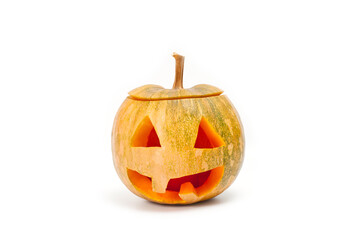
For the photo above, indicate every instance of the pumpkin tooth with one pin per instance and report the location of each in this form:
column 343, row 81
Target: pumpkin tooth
column 187, row 192
column 159, row 184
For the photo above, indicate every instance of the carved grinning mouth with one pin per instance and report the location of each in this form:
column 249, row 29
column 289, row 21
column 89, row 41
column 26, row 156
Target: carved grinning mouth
column 179, row 190
column 185, row 189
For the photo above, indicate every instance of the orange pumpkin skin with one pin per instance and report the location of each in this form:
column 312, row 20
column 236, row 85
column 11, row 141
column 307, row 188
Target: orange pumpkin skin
column 177, row 146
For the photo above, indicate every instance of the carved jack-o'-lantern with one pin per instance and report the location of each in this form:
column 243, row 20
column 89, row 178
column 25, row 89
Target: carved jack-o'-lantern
column 177, row 146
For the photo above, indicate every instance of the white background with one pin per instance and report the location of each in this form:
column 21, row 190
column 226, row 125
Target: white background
column 291, row 68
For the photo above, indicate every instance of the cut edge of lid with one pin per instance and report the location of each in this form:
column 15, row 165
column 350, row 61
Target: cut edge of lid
column 156, row 92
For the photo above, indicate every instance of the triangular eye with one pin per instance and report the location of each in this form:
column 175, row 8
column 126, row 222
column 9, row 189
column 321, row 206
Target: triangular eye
column 145, row 135
column 207, row 137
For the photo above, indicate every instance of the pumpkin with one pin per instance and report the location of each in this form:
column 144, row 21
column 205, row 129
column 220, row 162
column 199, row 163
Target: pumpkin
column 177, row 146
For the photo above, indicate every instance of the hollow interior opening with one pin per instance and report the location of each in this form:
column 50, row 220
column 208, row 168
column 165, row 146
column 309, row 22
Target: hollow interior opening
column 207, row 137
column 197, row 180
column 145, row 135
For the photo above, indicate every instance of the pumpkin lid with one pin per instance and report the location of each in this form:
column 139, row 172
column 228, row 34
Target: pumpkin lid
column 156, row 92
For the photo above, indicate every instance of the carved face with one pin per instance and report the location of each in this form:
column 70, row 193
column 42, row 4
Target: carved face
column 177, row 151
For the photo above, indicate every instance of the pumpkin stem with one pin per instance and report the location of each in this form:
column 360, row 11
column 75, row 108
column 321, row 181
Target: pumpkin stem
column 179, row 66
